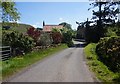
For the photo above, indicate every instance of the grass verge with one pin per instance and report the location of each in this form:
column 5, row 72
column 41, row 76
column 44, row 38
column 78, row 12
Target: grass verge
column 101, row 71
column 16, row 64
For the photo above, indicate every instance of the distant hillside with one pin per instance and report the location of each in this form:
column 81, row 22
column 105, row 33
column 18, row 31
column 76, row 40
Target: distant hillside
column 22, row 28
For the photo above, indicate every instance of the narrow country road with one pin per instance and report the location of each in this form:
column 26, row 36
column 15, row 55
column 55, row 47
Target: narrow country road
column 66, row 66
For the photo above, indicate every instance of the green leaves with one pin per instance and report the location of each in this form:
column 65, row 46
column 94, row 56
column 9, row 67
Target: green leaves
column 108, row 50
column 17, row 40
column 9, row 12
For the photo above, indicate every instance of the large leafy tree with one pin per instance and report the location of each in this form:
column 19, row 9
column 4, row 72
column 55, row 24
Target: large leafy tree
column 66, row 25
column 9, row 12
column 107, row 13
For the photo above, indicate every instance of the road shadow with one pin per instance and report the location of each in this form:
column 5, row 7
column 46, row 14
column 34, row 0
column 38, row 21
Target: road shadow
column 78, row 46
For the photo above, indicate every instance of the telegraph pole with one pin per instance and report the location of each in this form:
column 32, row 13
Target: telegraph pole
column 119, row 13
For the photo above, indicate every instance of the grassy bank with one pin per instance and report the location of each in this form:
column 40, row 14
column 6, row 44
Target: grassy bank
column 18, row 63
column 101, row 71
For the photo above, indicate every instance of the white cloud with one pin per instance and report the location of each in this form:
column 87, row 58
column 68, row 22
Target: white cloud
column 37, row 24
column 18, row 21
column 61, row 19
column 15, row 21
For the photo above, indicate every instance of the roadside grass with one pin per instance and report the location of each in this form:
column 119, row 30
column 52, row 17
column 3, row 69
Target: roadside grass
column 0, row 35
column 0, row 70
column 101, row 71
column 16, row 64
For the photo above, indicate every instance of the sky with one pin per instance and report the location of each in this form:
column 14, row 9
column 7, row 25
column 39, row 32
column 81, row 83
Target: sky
column 53, row 13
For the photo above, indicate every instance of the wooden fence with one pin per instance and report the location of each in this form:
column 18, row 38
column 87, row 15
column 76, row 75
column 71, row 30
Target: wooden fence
column 5, row 52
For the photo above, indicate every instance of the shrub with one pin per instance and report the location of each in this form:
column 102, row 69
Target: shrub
column 44, row 40
column 17, row 41
column 110, row 31
column 67, row 37
column 108, row 50
column 70, row 44
column 34, row 33
column 57, row 37
column 92, row 34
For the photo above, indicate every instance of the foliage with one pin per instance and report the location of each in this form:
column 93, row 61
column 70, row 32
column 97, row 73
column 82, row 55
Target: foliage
column 113, row 29
column 9, row 11
column 80, row 33
column 66, row 25
column 57, row 37
column 67, row 37
column 88, row 32
column 118, row 28
column 91, row 33
column 111, row 32
column 17, row 40
column 45, row 39
column 108, row 50
column 20, row 27
column 70, row 44
column 63, row 30
column 0, row 35
column 34, row 33
column 55, row 30
column 74, row 32
column 99, row 68
column 80, row 30
column 107, row 13
column 67, row 34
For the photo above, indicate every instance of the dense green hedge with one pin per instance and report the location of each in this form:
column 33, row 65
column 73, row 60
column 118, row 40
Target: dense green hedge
column 67, row 38
column 45, row 39
column 108, row 50
column 17, row 41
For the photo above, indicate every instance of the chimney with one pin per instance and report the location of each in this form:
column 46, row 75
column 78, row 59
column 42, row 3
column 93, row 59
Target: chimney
column 43, row 23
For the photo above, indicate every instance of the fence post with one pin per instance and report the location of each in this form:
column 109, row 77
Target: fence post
column 5, row 52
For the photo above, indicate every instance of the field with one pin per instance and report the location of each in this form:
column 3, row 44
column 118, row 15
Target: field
column 22, row 28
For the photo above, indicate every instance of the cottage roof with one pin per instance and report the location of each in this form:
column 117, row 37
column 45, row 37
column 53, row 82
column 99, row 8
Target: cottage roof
column 49, row 28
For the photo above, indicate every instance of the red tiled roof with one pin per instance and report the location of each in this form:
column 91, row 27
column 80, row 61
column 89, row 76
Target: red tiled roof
column 48, row 28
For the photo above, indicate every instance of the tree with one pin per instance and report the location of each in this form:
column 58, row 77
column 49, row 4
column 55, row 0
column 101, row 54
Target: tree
column 80, row 30
column 43, row 23
column 34, row 33
column 9, row 12
column 107, row 13
column 83, row 27
column 55, row 30
column 57, row 37
column 66, row 25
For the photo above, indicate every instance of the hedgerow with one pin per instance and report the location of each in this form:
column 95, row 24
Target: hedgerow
column 108, row 50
